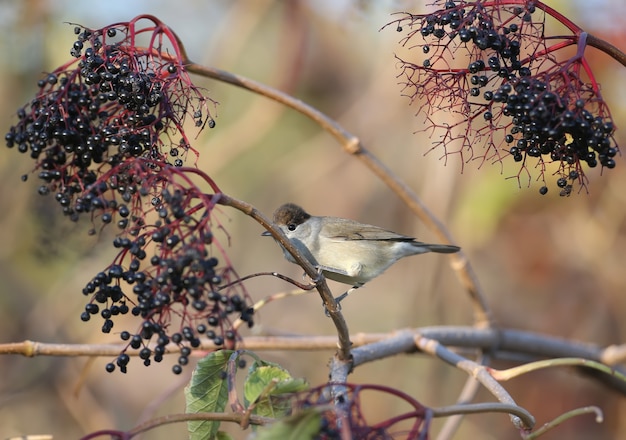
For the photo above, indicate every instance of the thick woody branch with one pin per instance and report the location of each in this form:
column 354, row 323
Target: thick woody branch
column 501, row 344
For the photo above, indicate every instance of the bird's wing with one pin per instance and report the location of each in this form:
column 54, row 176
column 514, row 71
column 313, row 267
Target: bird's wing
column 340, row 230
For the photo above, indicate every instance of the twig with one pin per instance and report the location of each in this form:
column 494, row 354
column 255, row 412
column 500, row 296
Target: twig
column 607, row 48
column 564, row 417
column 265, row 301
column 327, row 296
column 504, row 375
column 177, row 418
column 476, row 408
column 301, row 286
column 469, row 391
column 520, row 418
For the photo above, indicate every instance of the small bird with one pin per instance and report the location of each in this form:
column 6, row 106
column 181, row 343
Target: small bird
column 345, row 250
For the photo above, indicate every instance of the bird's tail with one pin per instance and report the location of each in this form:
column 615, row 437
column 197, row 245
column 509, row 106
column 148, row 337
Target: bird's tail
column 442, row 248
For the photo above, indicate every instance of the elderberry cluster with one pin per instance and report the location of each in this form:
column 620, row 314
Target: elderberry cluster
column 188, row 278
column 103, row 132
column 548, row 111
column 476, row 26
column 163, row 269
column 545, row 124
column 113, row 103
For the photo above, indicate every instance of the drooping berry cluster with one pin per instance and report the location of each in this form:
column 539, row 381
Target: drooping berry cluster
column 114, row 102
column 510, row 92
column 164, row 272
column 107, row 137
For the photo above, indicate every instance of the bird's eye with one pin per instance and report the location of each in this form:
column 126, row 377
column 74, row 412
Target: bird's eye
column 291, row 226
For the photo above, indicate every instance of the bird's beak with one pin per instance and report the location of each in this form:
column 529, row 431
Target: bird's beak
column 266, row 234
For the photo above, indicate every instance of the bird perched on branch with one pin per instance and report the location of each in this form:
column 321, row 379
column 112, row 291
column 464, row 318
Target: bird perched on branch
column 345, row 250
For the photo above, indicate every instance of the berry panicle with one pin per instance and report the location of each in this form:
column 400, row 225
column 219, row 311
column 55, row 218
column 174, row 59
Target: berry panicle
column 505, row 85
column 106, row 133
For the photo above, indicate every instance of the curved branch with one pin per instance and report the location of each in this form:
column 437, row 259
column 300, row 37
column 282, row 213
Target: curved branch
column 521, row 418
column 510, row 373
column 352, row 145
column 477, row 408
column 177, row 418
column 566, row 416
column 320, row 283
column 607, row 48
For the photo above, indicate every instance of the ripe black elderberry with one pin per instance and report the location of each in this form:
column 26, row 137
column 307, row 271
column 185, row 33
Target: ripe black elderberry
column 106, row 134
column 547, row 109
column 104, row 109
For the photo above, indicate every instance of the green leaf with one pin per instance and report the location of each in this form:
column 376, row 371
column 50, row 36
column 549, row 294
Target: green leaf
column 221, row 435
column 266, row 386
column 207, row 391
column 304, row 425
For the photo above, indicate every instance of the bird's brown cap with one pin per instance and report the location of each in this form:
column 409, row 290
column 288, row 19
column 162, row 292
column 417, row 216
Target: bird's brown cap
column 290, row 213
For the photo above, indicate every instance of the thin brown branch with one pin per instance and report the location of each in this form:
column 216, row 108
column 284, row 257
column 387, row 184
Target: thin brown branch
column 607, row 48
column 267, row 300
column 329, row 301
column 178, row 418
column 352, row 145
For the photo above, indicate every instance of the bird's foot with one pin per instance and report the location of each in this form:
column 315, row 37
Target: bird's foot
column 341, row 298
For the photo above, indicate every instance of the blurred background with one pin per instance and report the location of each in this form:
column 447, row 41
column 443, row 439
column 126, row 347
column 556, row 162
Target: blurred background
column 547, row 264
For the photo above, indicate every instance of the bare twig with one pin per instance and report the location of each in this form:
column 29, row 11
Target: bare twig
column 469, row 391
column 503, row 375
column 301, row 286
column 521, row 419
column 501, row 344
column 477, row 408
column 265, row 301
column 177, row 418
column 607, row 48
column 566, row 416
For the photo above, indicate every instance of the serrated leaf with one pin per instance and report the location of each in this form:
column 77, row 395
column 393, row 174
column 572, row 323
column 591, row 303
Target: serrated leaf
column 207, row 391
column 264, row 387
column 304, row 425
